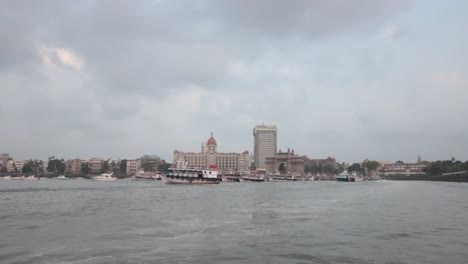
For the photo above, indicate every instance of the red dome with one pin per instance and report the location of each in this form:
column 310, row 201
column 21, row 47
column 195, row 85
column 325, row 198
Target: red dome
column 246, row 152
column 211, row 140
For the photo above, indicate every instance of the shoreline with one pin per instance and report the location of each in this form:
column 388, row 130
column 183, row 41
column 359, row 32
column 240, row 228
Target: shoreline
column 445, row 178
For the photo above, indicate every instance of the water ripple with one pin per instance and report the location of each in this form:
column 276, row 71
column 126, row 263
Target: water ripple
column 320, row 222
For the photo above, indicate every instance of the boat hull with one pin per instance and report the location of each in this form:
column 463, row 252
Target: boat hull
column 189, row 180
column 344, row 179
column 253, row 179
column 104, row 179
column 230, row 179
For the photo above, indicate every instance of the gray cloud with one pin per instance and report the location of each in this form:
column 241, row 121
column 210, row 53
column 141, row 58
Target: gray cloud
column 123, row 78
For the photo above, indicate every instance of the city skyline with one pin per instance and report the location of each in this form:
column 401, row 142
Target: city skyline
column 384, row 80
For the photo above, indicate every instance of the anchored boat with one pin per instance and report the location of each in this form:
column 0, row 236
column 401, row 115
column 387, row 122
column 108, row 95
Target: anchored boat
column 104, row 177
column 146, row 176
column 183, row 175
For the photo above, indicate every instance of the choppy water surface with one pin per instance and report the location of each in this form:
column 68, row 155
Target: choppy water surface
column 81, row 221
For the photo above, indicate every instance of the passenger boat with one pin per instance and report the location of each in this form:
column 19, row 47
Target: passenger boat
column 62, row 177
column 346, row 177
column 183, row 175
column 104, row 177
column 8, row 177
column 231, row 177
column 146, row 176
column 253, row 178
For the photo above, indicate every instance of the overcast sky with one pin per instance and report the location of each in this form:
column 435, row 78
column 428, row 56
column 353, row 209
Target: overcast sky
column 384, row 80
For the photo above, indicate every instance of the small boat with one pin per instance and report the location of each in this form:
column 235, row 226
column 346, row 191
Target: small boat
column 357, row 178
column 146, row 176
column 231, row 177
column 17, row 178
column 8, row 177
column 346, row 177
column 104, row 177
column 183, row 175
column 62, row 177
column 31, row 178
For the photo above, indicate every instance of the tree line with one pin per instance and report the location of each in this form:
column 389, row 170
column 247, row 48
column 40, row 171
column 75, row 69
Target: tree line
column 446, row 166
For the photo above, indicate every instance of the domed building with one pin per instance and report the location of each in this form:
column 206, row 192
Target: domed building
column 209, row 156
column 211, row 145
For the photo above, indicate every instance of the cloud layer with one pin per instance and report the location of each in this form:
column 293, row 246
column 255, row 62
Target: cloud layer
column 125, row 78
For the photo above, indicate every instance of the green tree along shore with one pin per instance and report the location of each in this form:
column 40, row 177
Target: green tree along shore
column 446, row 166
column 56, row 165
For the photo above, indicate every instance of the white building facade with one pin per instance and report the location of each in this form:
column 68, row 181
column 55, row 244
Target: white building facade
column 133, row 166
column 209, row 155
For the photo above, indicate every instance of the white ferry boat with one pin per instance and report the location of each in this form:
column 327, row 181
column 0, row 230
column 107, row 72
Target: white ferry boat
column 183, row 175
column 146, row 176
column 253, row 178
column 62, row 177
column 232, row 177
column 287, row 178
column 104, row 177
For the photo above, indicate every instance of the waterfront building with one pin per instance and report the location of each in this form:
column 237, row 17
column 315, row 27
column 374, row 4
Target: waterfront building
column 45, row 164
column 133, row 166
column 15, row 165
column 286, row 163
column 95, row 165
column 209, row 155
column 406, row 169
column 331, row 161
column 73, row 166
column 265, row 144
column 151, row 161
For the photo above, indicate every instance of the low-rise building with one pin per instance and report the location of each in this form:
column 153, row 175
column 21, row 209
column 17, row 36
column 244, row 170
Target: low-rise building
column 15, row 165
column 73, row 166
column 133, row 166
column 407, row 169
column 322, row 162
column 95, row 165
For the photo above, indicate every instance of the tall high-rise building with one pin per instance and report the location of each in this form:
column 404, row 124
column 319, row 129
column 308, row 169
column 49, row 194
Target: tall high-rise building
column 264, row 144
